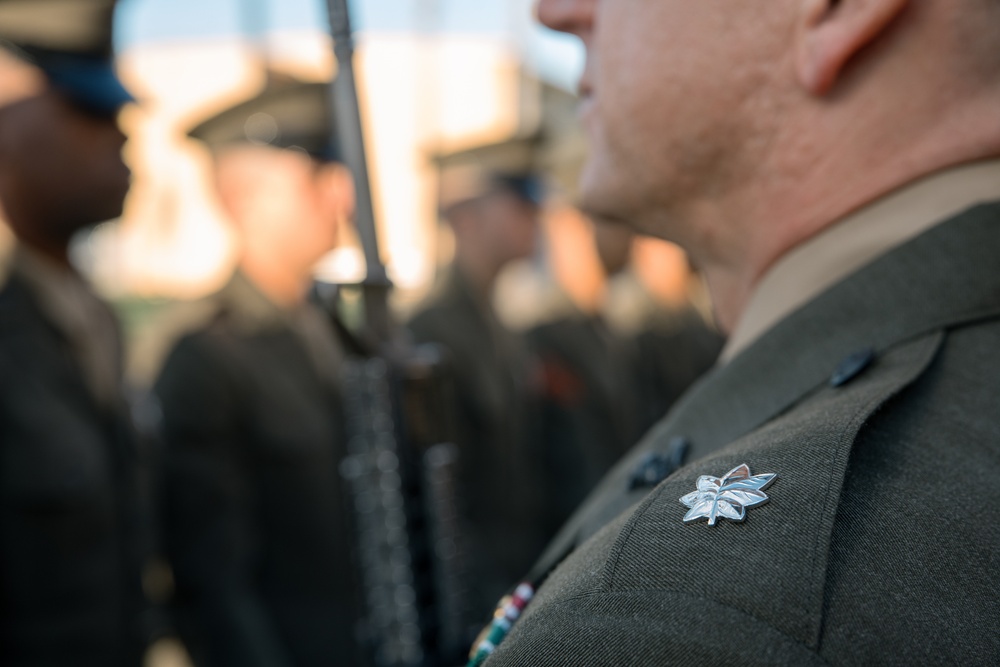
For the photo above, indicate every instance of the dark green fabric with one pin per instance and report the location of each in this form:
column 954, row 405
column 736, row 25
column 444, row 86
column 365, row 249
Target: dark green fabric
column 879, row 543
column 499, row 489
column 600, row 391
column 587, row 407
column 72, row 531
column 255, row 524
column 672, row 351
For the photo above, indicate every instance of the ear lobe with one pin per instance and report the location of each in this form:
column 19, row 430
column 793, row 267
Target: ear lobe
column 345, row 190
column 832, row 32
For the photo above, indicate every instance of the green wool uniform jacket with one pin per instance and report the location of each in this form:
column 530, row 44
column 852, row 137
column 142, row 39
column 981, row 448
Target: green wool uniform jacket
column 877, row 405
column 587, row 419
column 254, row 518
column 498, row 488
column 73, row 532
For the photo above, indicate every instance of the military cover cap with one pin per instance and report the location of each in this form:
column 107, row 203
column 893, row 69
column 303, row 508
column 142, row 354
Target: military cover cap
column 287, row 114
column 472, row 173
column 70, row 41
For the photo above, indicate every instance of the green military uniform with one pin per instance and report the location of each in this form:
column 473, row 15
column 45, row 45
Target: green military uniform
column 604, row 381
column 73, row 528
column 587, row 412
column 874, row 404
column 497, row 471
column 672, row 350
column 254, row 519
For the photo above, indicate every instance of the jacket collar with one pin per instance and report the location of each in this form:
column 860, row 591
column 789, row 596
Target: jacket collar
column 944, row 278
column 870, row 232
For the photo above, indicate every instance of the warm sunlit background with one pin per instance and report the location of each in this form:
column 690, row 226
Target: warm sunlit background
column 435, row 76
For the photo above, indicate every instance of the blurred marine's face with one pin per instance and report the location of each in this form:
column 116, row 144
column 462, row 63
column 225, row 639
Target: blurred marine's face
column 669, row 98
column 60, row 167
column 285, row 204
column 510, row 226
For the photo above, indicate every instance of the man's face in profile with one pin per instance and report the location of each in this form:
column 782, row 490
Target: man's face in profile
column 672, row 92
column 61, row 165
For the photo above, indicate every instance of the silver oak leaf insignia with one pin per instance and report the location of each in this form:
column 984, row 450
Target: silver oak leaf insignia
column 728, row 497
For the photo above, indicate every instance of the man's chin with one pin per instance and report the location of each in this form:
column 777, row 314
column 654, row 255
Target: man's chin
column 98, row 216
column 112, row 212
column 600, row 200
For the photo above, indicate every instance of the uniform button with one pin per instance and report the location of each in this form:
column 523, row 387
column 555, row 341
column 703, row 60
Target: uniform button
column 852, row 366
column 656, row 467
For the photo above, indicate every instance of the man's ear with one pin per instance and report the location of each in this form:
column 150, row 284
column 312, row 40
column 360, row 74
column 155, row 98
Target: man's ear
column 344, row 189
column 831, row 32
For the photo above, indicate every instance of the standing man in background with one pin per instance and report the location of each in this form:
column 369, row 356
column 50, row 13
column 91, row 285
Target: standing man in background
column 494, row 217
column 254, row 519
column 658, row 302
column 614, row 355
column 587, row 403
column 833, row 167
column 72, row 541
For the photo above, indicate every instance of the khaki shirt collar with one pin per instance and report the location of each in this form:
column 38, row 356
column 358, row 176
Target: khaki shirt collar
column 840, row 250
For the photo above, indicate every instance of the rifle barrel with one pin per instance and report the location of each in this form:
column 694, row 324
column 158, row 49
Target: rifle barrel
column 350, row 136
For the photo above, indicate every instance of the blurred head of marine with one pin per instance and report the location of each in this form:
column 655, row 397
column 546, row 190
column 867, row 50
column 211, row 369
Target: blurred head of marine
column 279, row 179
column 61, row 166
column 494, row 215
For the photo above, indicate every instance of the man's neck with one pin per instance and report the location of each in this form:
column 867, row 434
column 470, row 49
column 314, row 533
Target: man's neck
column 755, row 229
column 480, row 272
column 53, row 252
column 284, row 286
column 860, row 238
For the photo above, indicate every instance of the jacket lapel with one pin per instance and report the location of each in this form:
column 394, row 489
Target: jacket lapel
column 942, row 279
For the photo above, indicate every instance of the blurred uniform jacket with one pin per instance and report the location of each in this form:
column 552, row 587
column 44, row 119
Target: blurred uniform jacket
column 588, row 415
column 875, row 403
column 671, row 351
column 71, row 513
column 498, row 488
column 604, row 385
column 255, row 529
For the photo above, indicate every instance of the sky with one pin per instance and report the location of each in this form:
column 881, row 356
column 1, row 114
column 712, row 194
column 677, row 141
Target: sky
column 557, row 58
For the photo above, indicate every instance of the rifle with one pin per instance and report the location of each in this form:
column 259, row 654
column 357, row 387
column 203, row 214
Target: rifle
column 401, row 465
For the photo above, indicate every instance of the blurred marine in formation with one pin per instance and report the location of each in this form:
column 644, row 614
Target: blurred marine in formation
column 254, row 522
column 657, row 301
column 612, row 357
column 71, row 531
column 586, row 398
column 494, row 217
